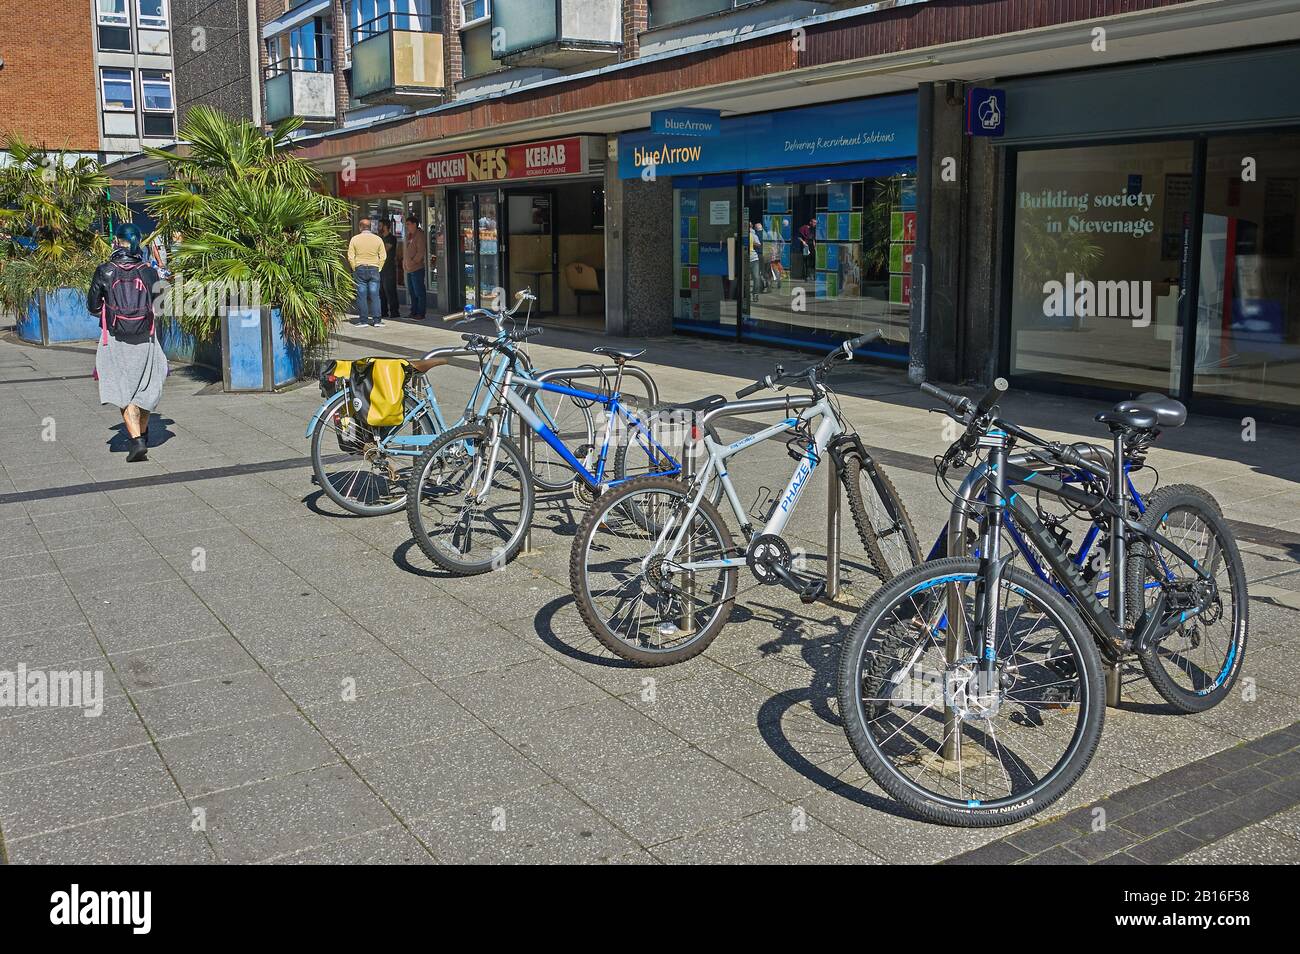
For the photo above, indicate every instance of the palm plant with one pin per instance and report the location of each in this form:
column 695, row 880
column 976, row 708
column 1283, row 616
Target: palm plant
column 55, row 211
column 249, row 212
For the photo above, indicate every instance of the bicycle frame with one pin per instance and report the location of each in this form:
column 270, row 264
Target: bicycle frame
column 828, row 429
column 595, row 479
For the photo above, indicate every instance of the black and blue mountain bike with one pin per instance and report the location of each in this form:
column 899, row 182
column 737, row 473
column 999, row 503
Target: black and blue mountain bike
column 971, row 688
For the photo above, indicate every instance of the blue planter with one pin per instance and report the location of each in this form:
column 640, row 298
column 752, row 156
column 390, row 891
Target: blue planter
column 179, row 345
column 58, row 316
column 255, row 356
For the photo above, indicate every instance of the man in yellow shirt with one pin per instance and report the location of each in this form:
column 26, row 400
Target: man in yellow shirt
column 366, row 255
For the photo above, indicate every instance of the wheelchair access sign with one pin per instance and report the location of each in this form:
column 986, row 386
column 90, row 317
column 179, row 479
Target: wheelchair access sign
column 986, row 111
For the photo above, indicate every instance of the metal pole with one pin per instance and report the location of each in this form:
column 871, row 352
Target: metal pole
column 689, row 447
column 1113, row 695
column 832, row 534
column 526, row 448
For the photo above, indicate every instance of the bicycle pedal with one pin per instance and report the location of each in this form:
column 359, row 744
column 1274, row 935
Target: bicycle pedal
column 812, row 591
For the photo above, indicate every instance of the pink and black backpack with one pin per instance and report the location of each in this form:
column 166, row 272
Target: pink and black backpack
column 128, row 304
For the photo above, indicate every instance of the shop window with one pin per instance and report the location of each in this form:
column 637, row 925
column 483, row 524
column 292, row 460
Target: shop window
column 830, row 259
column 1247, row 345
column 1098, row 264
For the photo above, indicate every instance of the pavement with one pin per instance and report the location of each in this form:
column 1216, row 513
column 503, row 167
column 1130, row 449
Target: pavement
column 283, row 682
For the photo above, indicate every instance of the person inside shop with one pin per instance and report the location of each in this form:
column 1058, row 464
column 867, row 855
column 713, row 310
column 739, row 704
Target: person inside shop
column 757, row 282
column 414, row 252
column 808, row 246
column 388, row 274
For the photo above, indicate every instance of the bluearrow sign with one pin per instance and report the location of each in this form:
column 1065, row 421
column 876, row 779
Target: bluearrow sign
column 686, row 122
column 883, row 127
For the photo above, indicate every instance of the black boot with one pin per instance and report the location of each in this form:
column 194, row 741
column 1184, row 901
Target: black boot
column 139, row 450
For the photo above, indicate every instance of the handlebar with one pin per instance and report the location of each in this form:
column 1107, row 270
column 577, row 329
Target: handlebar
column 964, row 407
column 843, row 351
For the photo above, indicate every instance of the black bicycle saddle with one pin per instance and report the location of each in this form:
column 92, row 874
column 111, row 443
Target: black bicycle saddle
column 618, row 355
column 1146, row 412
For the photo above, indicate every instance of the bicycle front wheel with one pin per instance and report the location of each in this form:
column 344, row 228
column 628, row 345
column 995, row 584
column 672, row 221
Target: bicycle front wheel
column 936, row 733
column 883, row 523
column 466, row 520
column 1194, row 666
column 642, row 607
column 349, row 466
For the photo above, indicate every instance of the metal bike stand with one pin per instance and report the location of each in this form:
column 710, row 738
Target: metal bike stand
column 690, row 447
column 526, row 438
column 833, row 510
column 1114, row 693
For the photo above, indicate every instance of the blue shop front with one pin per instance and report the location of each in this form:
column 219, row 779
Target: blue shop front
column 791, row 227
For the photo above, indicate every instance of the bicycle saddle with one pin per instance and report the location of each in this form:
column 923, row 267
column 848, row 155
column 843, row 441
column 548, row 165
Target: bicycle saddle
column 619, row 356
column 1145, row 412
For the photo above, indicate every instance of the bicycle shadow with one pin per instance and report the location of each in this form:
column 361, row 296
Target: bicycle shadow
column 402, row 560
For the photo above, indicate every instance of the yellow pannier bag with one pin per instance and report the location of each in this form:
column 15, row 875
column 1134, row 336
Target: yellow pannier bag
column 379, row 390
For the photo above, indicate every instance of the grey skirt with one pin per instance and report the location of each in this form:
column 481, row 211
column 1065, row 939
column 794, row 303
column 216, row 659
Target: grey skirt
column 130, row 373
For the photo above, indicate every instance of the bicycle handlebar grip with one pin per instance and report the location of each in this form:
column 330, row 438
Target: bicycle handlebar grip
column 991, row 396
column 954, row 401
column 751, row 389
column 525, row 334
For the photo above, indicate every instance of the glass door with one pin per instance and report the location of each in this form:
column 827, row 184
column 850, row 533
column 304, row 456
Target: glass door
column 478, row 248
column 530, row 253
column 705, row 255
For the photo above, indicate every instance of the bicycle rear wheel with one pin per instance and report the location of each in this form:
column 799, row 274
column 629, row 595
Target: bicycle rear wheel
column 939, row 737
column 1195, row 666
column 632, row 601
column 348, row 465
column 462, row 523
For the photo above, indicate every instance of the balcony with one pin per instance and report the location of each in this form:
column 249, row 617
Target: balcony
column 299, row 87
column 397, row 58
column 557, row 33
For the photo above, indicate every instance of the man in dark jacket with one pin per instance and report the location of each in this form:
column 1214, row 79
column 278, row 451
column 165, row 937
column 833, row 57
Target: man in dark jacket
column 388, row 274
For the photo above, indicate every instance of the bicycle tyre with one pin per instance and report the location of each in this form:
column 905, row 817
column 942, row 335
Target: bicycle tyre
column 851, row 476
column 582, row 540
column 1186, row 497
column 422, row 424
column 415, row 489
column 1083, row 744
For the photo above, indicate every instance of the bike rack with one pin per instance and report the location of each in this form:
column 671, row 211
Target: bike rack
column 568, row 374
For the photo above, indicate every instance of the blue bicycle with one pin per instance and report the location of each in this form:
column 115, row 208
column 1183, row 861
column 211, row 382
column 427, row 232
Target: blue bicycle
column 365, row 469
column 468, row 504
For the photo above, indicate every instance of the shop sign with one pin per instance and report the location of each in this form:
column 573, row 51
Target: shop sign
column 883, row 127
column 554, row 157
column 986, row 111
column 686, row 122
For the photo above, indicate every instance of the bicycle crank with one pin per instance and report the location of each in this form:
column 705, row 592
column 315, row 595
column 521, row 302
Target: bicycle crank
column 769, row 559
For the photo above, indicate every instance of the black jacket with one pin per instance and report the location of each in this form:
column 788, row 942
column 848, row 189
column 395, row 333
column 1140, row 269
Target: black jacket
column 103, row 280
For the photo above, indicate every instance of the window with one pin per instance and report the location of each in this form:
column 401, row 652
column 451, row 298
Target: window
column 472, row 11
column 310, row 46
column 369, row 17
column 111, row 13
column 664, row 12
column 118, row 90
column 156, row 99
column 1098, row 261
column 113, row 26
column 151, row 13
column 156, row 90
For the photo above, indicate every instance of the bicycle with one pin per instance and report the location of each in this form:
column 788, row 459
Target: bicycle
column 971, row 690
column 375, row 462
column 653, row 567
column 1092, row 558
column 467, row 507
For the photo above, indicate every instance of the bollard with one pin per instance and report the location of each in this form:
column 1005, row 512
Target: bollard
column 687, row 620
column 832, row 534
column 526, row 449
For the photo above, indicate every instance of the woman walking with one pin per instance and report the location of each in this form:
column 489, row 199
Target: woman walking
column 129, row 362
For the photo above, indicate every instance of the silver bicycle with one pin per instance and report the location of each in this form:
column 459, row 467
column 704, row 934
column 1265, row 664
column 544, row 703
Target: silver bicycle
column 653, row 567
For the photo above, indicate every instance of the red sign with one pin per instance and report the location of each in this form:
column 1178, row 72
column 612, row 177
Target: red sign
column 554, row 157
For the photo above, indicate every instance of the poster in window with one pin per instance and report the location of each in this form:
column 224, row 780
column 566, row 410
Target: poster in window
column 1177, row 203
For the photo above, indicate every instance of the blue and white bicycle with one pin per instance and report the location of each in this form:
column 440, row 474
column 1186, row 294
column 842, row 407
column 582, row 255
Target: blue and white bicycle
column 467, row 503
